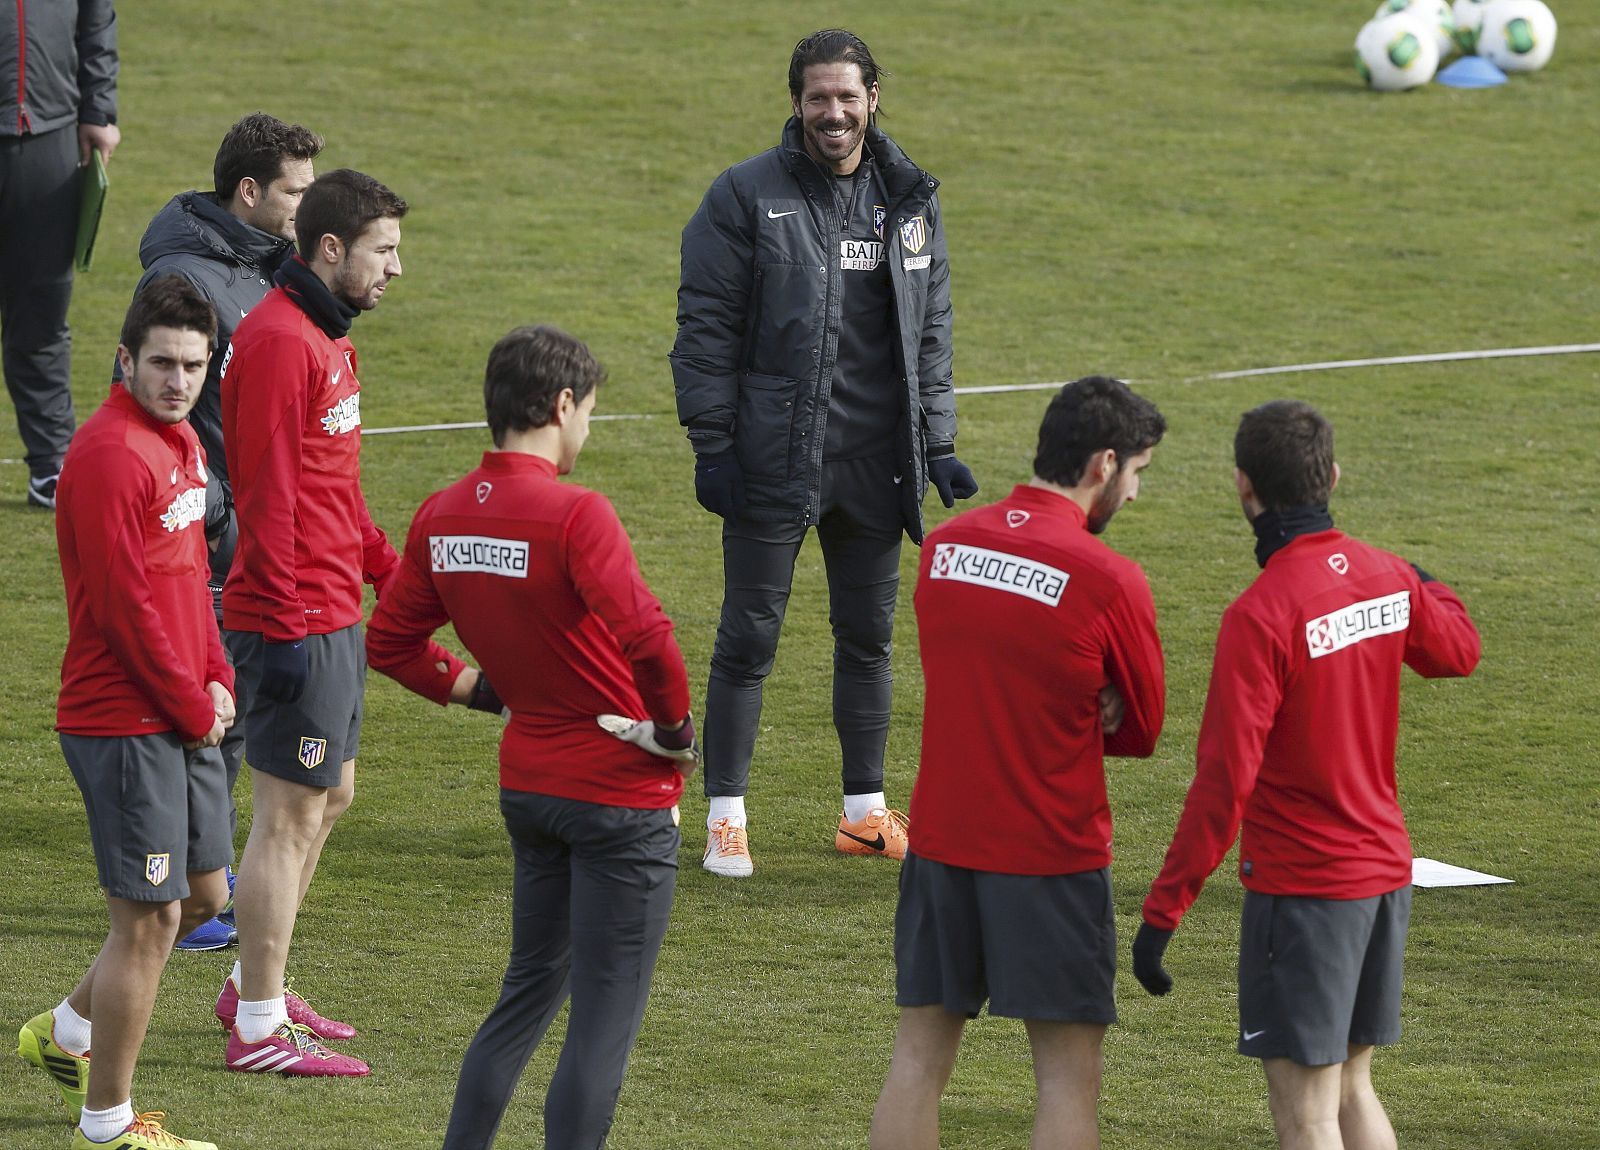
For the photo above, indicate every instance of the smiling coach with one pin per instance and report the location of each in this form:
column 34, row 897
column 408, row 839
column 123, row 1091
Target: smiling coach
column 812, row 369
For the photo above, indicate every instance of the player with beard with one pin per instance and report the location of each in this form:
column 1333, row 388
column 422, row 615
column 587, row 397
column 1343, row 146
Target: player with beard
column 291, row 420
column 1040, row 657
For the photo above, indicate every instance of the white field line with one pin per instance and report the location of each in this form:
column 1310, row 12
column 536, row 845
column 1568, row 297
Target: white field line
column 1288, row 369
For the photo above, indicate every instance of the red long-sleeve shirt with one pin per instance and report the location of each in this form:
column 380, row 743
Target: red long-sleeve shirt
column 1023, row 616
column 1298, row 738
column 291, row 422
column 541, row 583
column 130, row 528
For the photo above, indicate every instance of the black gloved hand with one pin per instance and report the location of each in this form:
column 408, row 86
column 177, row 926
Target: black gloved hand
column 284, row 670
column 1148, row 947
column 484, row 697
column 953, row 478
column 1423, row 575
column 719, row 483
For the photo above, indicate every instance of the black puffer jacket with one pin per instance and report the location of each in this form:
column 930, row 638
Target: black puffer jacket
column 60, row 56
column 759, row 315
column 231, row 264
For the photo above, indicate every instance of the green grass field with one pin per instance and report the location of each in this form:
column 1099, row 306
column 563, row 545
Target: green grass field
column 1158, row 191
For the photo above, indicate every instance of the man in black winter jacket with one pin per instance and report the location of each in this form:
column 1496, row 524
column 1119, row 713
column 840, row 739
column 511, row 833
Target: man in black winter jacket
column 812, row 369
column 58, row 104
column 228, row 243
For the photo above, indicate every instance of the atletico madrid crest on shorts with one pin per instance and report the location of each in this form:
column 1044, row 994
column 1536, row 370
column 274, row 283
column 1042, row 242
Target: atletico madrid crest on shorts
column 157, row 868
column 312, row 752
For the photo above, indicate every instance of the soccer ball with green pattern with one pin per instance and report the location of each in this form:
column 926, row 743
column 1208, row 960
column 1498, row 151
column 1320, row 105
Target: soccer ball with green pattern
column 1437, row 14
column 1517, row 35
column 1469, row 21
column 1396, row 52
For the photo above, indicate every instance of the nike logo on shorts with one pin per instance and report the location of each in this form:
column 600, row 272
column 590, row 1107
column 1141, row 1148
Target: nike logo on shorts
column 1252, row 1035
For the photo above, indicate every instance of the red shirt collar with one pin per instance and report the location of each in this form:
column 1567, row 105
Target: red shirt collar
column 1040, row 501
column 518, row 463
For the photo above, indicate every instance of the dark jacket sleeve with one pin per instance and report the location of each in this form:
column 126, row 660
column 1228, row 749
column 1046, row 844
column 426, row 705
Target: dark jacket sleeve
column 935, row 385
column 97, row 62
column 713, row 302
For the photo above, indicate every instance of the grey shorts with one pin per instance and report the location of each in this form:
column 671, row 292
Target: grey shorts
column 157, row 813
column 1317, row 976
column 1035, row 946
column 306, row 741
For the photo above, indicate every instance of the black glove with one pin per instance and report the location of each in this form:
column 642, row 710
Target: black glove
column 1423, row 575
column 719, row 483
column 953, row 479
column 1148, row 947
column 485, row 697
column 284, row 669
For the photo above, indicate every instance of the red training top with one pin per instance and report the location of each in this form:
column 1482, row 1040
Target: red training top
column 1300, row 726
column 1023, row 616
column 291, row 422
column 540, row 581
column 130, row 528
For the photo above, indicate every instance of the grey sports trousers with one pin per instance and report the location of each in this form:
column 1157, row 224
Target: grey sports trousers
column 39, row 184
column 593, row 891
column 860, row 529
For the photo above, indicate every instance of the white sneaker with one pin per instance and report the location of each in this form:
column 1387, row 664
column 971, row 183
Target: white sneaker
column 728, row 850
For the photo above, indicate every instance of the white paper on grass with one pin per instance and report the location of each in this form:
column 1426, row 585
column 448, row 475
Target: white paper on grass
column 1431, row 872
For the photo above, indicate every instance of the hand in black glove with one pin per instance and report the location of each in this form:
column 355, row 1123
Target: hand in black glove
column 1148, row 947
column 485, row 697
column 284, row 669
column 719, row 483
column 953, row 478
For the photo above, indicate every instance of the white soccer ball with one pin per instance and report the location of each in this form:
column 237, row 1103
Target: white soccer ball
column 1396, row 52
column 1437, row 14
column 1517, row 35
column 1469, row 20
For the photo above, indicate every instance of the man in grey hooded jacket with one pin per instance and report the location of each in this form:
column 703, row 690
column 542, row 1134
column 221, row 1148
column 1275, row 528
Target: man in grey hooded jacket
column 228, row 243
column 58, row 103
column 812, row 368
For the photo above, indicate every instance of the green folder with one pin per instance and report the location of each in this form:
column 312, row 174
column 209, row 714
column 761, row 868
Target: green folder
column 91, row 202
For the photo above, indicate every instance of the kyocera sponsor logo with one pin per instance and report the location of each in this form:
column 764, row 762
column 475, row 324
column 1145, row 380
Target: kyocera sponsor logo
column 1365, row 620
column 480, row 553
column 1000, row 571
column 187, row 508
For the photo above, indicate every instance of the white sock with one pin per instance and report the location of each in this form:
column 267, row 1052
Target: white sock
column 71, row 1031
column 730, row 807
column 258, row 1019
column 858, row 807
column 104, row 1125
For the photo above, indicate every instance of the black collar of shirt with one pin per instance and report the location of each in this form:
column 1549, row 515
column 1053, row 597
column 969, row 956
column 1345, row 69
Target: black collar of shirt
column 325, row 309
column 1275, row 530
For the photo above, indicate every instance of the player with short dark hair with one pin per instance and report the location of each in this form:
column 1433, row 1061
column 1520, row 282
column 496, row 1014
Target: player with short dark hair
column 812, row 368
column 145, row 698
column 1298, row 744
column 228, row 244
column 1040, row 657
column 291, row 608
column 540, row 582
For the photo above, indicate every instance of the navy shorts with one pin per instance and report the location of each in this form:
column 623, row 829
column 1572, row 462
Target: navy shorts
column 309, row 740
column 1034, row 946
column 1317, row 976
column 156, row 811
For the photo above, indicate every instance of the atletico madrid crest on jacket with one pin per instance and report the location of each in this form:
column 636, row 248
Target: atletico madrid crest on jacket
column 913, row 234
